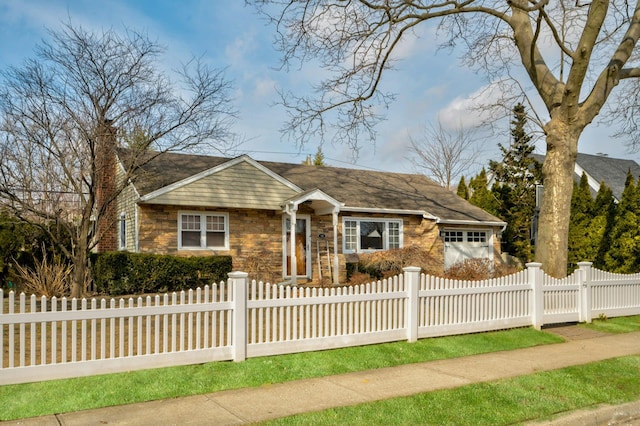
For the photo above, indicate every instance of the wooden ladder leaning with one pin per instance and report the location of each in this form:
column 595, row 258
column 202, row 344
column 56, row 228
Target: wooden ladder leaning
column 324, row 260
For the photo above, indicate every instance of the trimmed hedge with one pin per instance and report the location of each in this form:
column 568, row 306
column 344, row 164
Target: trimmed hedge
column 120, row 273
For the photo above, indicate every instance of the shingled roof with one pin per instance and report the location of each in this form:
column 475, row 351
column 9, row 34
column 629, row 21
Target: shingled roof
column 601, row 168
column 357, row 189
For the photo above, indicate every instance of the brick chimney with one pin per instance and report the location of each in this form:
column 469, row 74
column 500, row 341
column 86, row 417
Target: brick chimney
column 105, row 158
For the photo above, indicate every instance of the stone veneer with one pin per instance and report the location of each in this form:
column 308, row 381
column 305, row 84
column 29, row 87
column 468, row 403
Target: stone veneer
column 255, row 237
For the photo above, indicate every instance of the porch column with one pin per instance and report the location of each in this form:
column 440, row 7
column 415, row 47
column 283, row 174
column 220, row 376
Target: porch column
column 292, row 240
column 336, row 273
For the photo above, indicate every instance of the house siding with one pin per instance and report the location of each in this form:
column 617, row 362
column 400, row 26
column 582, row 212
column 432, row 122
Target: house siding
column 256, row 240
column 127, row 205
column 239, row 186
column 255, row 237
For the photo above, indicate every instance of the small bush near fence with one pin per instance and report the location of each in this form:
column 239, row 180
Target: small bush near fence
column 384, row 264
column 119, row 273
column 479, row 269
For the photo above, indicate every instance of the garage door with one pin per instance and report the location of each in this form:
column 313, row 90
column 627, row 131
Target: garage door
column 460, row 245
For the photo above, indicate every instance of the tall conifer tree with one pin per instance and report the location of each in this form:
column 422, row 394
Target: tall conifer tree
column 516, row 178
column 604, row 209
column 463, row 190
column 584, row 239
column 623, row 253
column 480, row 195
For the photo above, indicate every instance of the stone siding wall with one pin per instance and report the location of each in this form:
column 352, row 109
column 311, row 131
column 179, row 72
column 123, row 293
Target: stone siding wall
column 256, row 240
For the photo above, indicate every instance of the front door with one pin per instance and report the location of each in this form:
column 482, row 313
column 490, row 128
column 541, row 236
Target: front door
column 303, row 252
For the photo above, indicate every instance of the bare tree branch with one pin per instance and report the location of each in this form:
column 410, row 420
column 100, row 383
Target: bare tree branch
column 64, row 113
column 445, row 155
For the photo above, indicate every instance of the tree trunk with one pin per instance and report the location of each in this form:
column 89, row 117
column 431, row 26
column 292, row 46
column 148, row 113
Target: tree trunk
column 79, row 272
column 557, row 172
column 80, row 257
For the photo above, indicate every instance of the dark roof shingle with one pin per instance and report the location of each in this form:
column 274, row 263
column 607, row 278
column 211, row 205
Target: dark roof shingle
column 355, row 188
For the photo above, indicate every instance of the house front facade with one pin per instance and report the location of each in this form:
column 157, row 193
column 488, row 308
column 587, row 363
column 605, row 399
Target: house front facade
column 294, row 222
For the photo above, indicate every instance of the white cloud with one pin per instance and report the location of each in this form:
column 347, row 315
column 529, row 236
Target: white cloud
column 264, row 87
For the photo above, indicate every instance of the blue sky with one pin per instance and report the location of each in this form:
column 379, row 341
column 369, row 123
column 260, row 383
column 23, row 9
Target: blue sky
column 228, row 34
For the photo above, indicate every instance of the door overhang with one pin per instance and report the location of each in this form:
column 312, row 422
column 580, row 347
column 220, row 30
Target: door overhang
column 322, row 204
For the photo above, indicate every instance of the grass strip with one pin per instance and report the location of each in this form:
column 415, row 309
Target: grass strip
column 60, row 396
column 539, row 396
column 614, row 325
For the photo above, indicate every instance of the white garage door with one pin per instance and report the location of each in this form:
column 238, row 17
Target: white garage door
column 460, row 245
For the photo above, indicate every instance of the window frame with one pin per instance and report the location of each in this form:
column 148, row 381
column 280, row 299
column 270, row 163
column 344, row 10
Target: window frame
column 457, row 235
column 122, row 232
column 386, row 237
column 203, row 229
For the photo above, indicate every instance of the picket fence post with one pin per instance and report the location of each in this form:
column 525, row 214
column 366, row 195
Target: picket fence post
column 412, row 283
column 239, row 282
column 534, row 274
column 585, row 291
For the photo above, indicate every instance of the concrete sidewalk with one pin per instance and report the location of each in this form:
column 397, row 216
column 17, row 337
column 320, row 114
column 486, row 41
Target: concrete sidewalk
column 250, row 405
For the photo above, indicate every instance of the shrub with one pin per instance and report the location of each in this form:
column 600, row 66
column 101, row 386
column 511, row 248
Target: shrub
column 479, row 269
column 471, row 269
column 119, row 273
column 383, row 264
column 260, row 267
column 46, row 277
column 358, row 278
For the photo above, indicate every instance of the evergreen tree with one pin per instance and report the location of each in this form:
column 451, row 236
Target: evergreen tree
column 463, row 190
column 623, row 255
column 318, row 159
column 480, row 195
column 516, row 178
column 584, row 239
column 604, row 209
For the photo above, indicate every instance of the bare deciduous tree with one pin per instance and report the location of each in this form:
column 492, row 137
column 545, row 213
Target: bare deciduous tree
column 64, row 113
column 574, row 55
column 444, row 155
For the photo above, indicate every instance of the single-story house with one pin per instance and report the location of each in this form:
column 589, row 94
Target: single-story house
column 292, row 217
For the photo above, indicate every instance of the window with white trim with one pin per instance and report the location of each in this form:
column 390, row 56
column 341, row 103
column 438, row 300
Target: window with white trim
column 477, row 236
column 122, row 234
column 453, row 236
column 465, row 236
column 362, row 235
column 203, row 231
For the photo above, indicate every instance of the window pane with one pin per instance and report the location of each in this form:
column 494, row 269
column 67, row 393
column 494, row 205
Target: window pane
column 477, row 236
column 190, row 238
column 350, row 235
column 371, row 235
column 190, row 222
column 215, row 223
column 215, row 239
column 123, row 231
column 394, row 235
column 453, row 236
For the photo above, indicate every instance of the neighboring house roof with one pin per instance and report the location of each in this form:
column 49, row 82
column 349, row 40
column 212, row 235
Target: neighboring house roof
column 357, row 190
column 601, row 168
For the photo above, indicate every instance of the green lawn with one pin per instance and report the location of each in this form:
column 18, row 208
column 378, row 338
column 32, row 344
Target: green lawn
column 504, row 402
column 59, row 396
column 614, row 325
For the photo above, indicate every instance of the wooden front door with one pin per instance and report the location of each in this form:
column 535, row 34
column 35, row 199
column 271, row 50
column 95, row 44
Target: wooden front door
column 301, row 245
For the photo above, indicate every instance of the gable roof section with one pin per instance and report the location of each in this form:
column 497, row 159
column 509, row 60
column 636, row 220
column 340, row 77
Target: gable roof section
column 600, row 168
column 611, row 171
column 240, row 182
column 357, row 190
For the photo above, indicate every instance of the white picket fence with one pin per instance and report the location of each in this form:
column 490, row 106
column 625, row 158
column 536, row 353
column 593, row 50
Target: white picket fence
column 51, row 339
